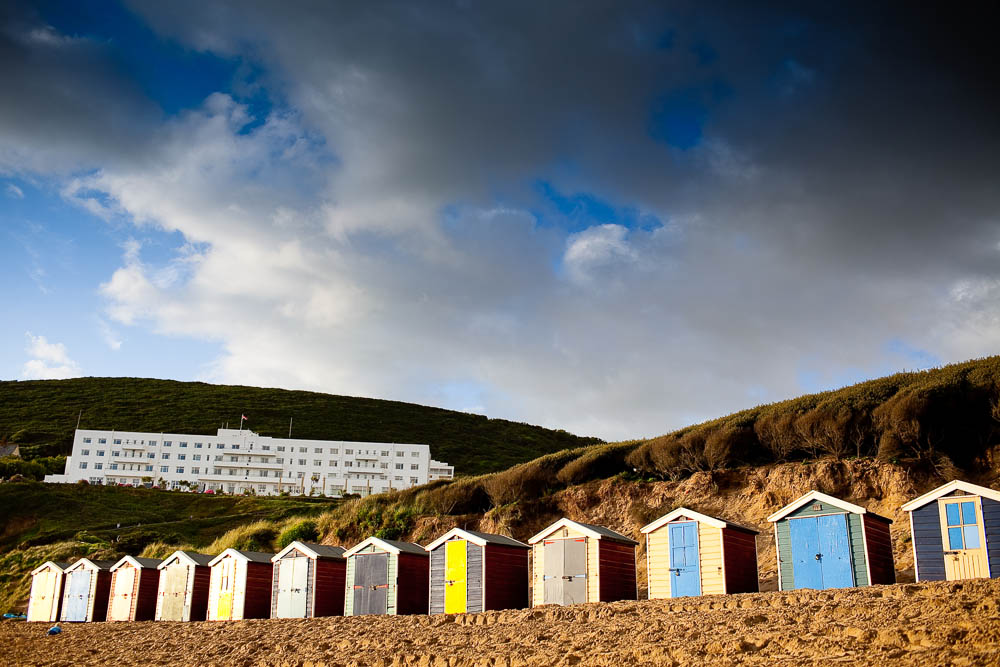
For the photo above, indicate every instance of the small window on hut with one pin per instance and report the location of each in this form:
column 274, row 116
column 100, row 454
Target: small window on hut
column 963, row 528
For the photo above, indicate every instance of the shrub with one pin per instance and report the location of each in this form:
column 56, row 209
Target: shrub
column 598, row 462
column 303, row 531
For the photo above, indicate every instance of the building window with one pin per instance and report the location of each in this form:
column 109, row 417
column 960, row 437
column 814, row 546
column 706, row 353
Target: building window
column 399, row 466
column 398, row 478
column 100, row 452
column 197, row 445
column 384, row 466
column 414, row 466
column 102, row 441
column 85, row 452
column 303, row 450
column 281, row 461
column 149, row 468
column 180, row 457
column 164, row 468
column 414, row 454
column 86, row 441
column 220, row 446
column 167, row 443
column 317, row 450
column 281, row 449
column 218, row 457
column 234, row 446
column 302, row 462
column 197, row 457
column 83, row 465
column 118, row 441
column 98, row 466
column 234, row 459
column 348, row 464
column 179, row 469
column 151, row 455
column 232, row 472
column 114, row 453
column 301, row 475
column 399, row 453
column 385, row 453
column 216, row 471
column 335, row 450
column 333, row 464
column 166, row 455
column 349, row 451
column 195, row 471
column 317, row 463
column 113, row 466
column 266, row 448
column 414, row 480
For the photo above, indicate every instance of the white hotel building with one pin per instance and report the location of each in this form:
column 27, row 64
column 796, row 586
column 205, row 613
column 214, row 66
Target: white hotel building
column 237, row 461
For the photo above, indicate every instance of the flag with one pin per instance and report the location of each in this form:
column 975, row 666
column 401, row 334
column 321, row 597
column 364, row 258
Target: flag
column 243, row 418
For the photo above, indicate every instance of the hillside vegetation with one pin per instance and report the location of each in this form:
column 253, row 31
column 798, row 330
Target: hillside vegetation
column 42, row 414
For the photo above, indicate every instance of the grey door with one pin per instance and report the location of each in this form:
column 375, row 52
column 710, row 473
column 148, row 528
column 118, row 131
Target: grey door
column 371, row 583
column 565, row 571
column 76, row 601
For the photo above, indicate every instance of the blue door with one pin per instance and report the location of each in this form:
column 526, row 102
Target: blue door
column 686, row 577
column 76, row 599
column 821, row 552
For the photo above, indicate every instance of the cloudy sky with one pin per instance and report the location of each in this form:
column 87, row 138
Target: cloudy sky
column 616, row 218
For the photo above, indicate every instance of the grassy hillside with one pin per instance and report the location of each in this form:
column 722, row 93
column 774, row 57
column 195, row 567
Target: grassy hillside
column 42, row 414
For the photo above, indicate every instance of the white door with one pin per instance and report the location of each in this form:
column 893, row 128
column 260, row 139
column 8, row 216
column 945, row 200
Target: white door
column 121, row 596
column 292, row 587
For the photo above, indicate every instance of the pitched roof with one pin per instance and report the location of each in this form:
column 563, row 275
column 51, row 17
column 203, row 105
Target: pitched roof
column 191, row 557
column 697, row 516
column 590, row 530
column 135, row 561
column 954, row 485
column 91, row 564
column 10, row 450
column 816, row 495
column 252, row 556
column 392, row 546
column 50, row 564
column 311, row 549
column 474, row 536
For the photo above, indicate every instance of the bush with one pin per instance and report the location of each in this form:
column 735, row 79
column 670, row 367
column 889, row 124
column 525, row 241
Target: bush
column 598, row 462
column 303, row 531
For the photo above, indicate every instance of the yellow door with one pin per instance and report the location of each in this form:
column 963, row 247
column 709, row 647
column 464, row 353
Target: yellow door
column 226, row 584
column 964, row 538
column 455, row 574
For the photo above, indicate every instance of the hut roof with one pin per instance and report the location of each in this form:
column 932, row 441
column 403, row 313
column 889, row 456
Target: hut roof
column 50, row 564
column 312, row 549
column 482, row 539
column 955, row 485
column 392, row 546
column 596, row 532
column 816, row 495
column 190, row 557
column 697, row 516
column 135, row 561
column 91, row 564
column 250, row 556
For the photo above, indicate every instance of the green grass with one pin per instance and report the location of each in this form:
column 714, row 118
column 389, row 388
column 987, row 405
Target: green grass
column 42, row 414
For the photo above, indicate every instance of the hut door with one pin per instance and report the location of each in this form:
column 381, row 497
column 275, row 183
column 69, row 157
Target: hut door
column 456, row 577
column 227, row 583
column 565, row 571
column 292, row 587
column 43, row 590
column 371, row 583
column 965, row 546
column 174, row 593
column 77, row 596
column 685, row 566
column 121, row 596
column 821, row 552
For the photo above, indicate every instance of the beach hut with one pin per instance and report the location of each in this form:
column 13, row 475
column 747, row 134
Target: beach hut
column 182, row 594
column 308, row 581
column 240, row 586
column 955, row 530
column 825, row 542
column 472, row 571
column 690, row 553
column 386, row 577
column 86, row 586
column 133, row 589
column 576, row 562
column 46, row 591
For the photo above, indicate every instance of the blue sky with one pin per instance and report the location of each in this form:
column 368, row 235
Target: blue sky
column 656, row 217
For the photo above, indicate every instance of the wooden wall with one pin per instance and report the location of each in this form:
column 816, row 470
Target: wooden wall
column 739, row 549
column 328, row 587
column 505, row 580
column 46, row 595
column 411, row 585
column 100, row 592
column 880, row 561
column 991, row 525
column 257, row 590
column 713, row 581
column 435, row 600
column 616, row 564
column 198, row 586
column 855, row 535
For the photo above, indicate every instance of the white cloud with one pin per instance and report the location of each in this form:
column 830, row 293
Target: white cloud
column 596, row 248
column 49, row 361
column 14, row 191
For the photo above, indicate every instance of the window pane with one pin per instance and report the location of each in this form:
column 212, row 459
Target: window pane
column 971, row 537
column 969, row 513
column 951, row 510
column 954, row 538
